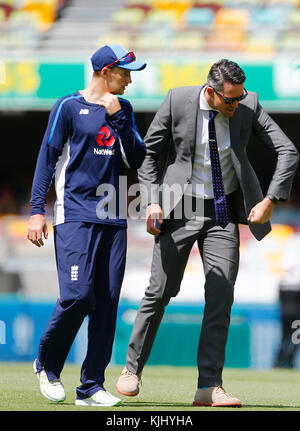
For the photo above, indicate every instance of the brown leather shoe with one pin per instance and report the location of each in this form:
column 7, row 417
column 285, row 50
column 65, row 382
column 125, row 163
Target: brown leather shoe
column 128, row 383
column 215, row 396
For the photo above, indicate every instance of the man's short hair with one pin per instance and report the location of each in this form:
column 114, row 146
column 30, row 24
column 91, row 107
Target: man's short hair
column 225, row 71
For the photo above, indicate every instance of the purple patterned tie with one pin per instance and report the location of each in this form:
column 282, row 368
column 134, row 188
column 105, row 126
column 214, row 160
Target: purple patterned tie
column 222, row 215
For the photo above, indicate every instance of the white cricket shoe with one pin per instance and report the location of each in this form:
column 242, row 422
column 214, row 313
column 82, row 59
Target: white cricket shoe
column 101, row 398
column 53, row 390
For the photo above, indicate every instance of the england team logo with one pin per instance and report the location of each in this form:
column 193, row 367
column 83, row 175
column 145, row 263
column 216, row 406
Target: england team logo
column 74, row 272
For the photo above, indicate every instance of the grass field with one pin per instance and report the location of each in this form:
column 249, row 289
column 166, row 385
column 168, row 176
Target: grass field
column 163, row 389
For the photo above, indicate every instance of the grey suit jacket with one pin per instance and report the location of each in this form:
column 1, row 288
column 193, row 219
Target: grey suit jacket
column 170, row 143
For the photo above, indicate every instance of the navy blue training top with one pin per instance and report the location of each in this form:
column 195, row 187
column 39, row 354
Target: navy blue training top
column 84, row 148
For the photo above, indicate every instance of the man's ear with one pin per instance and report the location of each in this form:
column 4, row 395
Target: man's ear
column 209, row 90
column 104, row 72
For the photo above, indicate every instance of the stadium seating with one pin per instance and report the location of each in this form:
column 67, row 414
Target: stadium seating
column 22, row 23
column 198, row 17
column 6, row 9
column 129, row 16
column 260, row 45
column 290, row 43
column 250, row 27
column 44, row 11
column 231, row 17
column 293, row 18
column 187, row 41
column 247, row 26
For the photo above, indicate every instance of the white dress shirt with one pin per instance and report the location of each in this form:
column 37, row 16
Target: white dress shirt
column 202, row 166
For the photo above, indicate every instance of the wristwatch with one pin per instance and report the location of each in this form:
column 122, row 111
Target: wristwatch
column 273, row 198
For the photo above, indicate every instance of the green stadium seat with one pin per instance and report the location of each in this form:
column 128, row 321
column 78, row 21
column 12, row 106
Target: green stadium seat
column 3, row 17
column 188, row 41
column 128, row 16
column 259, row 45
column 24, row 20
column 158, row 18
column 289, row 43
column 293, row 18
column 285, row 3
column 118, row 38
column 150, row 42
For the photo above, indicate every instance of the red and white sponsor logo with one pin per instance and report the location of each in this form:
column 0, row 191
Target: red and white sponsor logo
column 106, row 140
column 105, row 137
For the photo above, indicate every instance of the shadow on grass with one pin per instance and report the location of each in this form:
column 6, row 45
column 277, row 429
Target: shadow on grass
column 137, row 404
column 140, row 404
column 270, row 407
column 155, row 404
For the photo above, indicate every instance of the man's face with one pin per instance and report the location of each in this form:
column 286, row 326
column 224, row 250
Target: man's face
column 229, row 90
column 118, row 79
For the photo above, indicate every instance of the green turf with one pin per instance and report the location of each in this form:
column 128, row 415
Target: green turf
column 163, row 389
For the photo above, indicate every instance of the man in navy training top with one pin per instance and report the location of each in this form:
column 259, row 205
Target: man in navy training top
column 90, row 137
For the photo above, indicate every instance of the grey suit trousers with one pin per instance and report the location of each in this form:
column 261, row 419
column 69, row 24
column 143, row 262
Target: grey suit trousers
column 219, row 250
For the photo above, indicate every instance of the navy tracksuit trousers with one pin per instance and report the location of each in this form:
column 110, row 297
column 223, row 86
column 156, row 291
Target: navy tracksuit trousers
column 90, row 261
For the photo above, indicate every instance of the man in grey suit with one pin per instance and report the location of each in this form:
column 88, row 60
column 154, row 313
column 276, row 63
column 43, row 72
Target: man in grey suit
column 199, row 136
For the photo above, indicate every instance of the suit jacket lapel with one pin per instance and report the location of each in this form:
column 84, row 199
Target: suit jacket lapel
column 235, row 127
column 192, row 108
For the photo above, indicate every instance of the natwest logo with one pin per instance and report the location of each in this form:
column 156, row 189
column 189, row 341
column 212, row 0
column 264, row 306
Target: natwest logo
column 105, row 137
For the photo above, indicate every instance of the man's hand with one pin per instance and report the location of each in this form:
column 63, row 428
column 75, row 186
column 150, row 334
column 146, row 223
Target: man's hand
column 261, row 212
column 111, row 103
column 154, row 212
column 37, row 226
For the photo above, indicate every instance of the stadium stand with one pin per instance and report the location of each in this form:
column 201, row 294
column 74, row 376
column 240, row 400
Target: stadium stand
column 23, row 22
column 243, row 26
